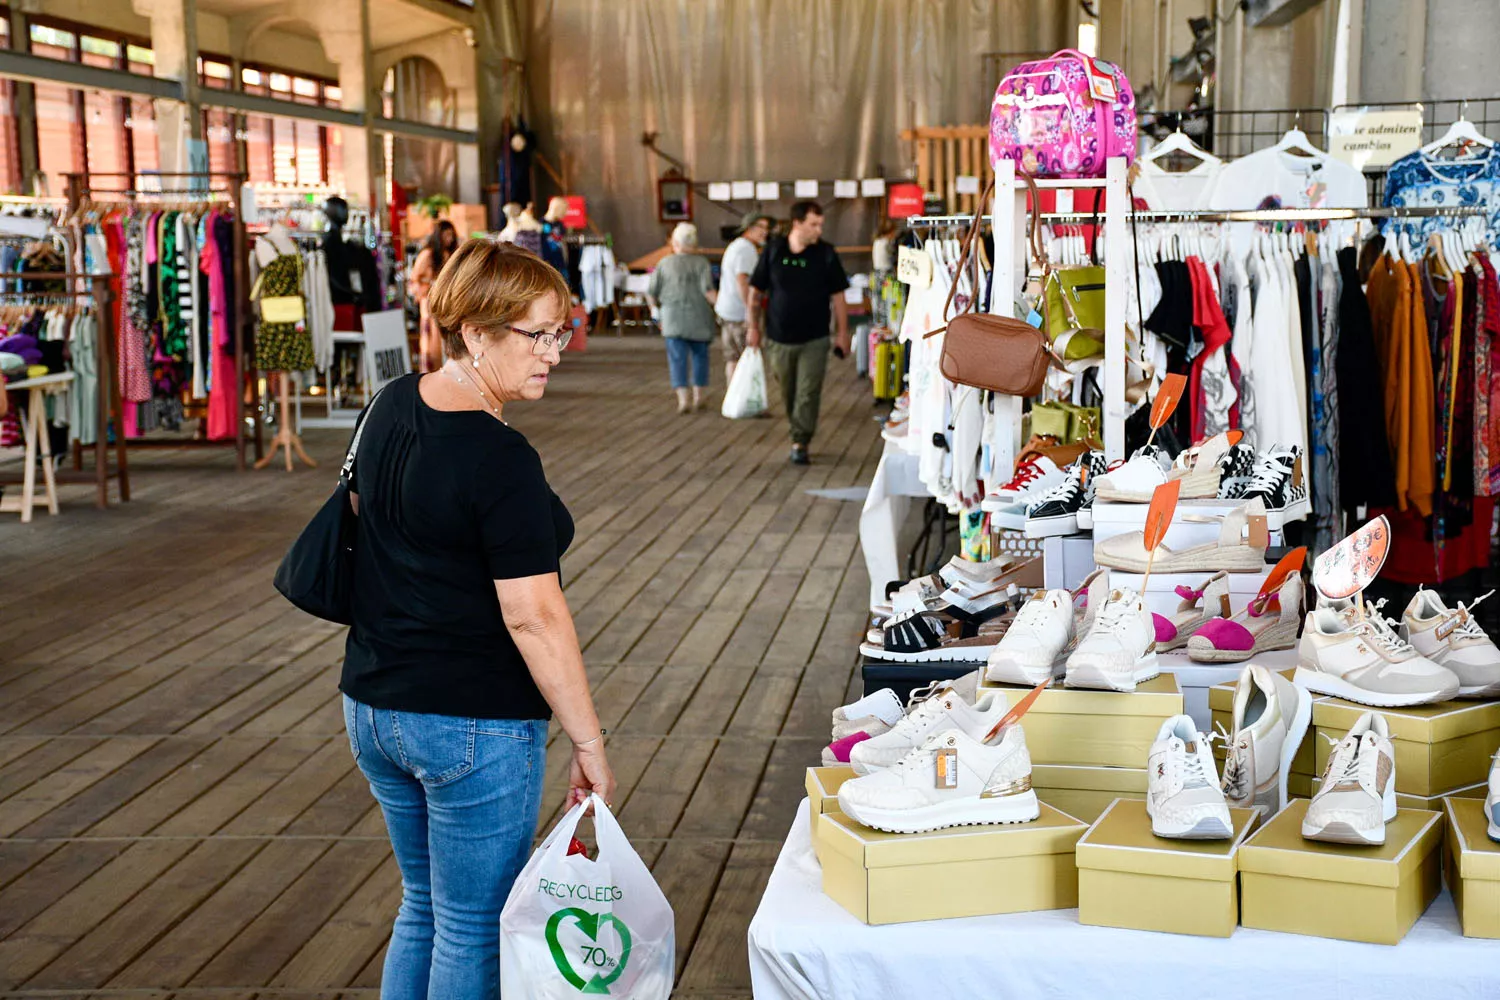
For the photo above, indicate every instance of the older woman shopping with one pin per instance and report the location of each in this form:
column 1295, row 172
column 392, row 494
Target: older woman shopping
column 462, row 645
column 683, row 286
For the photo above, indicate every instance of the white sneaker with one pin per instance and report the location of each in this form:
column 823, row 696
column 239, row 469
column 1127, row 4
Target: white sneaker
column 1183, row 797
column 1357, row 796
column 940, row 712
column 1271, row 716
column 1030, row 647
column 950, row 779
column 1119, row 650
column 1036, row 475
column 1362, row 659
column 1137, row 479
column 1454, row 641
column 1492, row 800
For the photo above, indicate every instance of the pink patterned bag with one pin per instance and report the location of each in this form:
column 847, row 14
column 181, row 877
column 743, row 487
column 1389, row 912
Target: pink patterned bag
column 1063, row 116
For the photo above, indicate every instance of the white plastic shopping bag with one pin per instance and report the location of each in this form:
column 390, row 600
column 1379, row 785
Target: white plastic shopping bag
column 746, row 395
column 574, row 927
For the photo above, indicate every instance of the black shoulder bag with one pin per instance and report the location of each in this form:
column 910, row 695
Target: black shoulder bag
column 317, row 572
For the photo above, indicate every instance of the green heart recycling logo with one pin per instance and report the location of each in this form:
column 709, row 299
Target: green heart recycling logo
column 600, row 968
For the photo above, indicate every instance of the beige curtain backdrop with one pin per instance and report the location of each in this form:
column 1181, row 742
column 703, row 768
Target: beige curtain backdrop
column 758, row 90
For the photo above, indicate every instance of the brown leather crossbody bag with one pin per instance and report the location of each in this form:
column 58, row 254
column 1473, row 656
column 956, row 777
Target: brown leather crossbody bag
column 998, row 353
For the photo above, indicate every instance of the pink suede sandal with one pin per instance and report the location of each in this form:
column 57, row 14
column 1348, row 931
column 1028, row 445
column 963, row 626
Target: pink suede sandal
column 1198, row 606
column 1266, row 623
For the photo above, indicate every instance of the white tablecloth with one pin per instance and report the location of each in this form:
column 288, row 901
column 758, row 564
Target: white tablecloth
column 804, row 946
column 886, row 506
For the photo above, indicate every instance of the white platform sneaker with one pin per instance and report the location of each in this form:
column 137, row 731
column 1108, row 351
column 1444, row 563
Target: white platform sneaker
column 938, row 713
column 1183, row 797
column 950, row 779
column 1030, row 647
column 1362, row 659
column 1357, row 796
column 1271, row 716
column 1451, row 638
column 1119, row 650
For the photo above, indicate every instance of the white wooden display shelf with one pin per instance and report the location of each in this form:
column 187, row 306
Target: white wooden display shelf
column 38, row 445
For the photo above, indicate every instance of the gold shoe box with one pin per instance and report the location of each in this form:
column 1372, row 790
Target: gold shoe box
column 1221, row 705
column 1129, row 877
column 1439, row 748
column 1472, row 865
column 823, row 797
column 1371, row 894
column 1085, row 792
column 966, row 871
column 1096, row 728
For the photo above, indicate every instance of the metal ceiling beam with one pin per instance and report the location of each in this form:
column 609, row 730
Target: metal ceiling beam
column 254, row 104
column 38, row 69
column 421, row 130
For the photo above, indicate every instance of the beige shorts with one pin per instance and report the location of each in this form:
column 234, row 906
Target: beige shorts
column 733, row 337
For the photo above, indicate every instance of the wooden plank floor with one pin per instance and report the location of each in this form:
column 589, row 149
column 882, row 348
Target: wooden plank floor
column 179, row 813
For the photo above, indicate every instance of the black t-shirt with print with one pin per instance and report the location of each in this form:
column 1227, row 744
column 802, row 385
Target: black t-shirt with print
column 449, row 502
column 799, row 285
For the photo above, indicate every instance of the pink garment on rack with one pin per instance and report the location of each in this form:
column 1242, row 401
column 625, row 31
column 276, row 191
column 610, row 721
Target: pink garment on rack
column 135, row 372
column 224, row 379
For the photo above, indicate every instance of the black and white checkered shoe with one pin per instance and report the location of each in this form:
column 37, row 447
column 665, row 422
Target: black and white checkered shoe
column 1235, row 469
column 1278, row 482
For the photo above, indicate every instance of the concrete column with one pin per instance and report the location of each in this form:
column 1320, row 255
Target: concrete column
column 174, row 41
column 1393, row 45
column 348, row 44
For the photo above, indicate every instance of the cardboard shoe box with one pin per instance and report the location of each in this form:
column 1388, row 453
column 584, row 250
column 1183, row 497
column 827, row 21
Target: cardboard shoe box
column 1371, row 894
column 969, row 871
column 1439, row 748
column 1433, row 803
column 823, row 785
column 1129, row 877
column 1096, row 728
column 1299, row 782
column 1472, row 865
column 1085, row 792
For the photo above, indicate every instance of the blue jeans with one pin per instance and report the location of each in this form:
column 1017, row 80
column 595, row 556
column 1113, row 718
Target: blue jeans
column 679, row 350
column 460, row 798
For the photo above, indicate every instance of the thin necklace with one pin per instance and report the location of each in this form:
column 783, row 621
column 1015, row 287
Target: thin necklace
column 452, row 370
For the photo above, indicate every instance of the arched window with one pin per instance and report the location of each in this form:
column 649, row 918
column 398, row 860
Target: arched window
column 415, row 90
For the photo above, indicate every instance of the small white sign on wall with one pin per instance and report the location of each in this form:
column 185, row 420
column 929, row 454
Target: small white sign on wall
column 846, row 189
column 872, row 187
column 387, row 353
column 767, row 191
column 806, row 189
column 1369, row 140
column 743, row 190
column 719, row 191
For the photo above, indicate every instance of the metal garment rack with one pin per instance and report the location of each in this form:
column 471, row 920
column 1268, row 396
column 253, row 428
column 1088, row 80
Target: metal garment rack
column 108, row 388
column 80, row 191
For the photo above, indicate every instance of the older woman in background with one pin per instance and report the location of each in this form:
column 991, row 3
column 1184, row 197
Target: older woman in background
column 682, row 286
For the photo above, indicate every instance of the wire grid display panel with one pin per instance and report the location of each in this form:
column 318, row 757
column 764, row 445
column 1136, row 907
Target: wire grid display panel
column 1437, row 115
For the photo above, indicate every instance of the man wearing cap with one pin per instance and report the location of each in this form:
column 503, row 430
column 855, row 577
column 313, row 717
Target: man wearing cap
column 734, row 285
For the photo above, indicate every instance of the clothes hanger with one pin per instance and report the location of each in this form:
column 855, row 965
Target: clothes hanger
column 1461, row 132
column 1180, row 143
column 1295, row 141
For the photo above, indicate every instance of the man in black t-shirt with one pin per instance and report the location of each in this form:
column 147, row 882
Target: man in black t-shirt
column 797, row 285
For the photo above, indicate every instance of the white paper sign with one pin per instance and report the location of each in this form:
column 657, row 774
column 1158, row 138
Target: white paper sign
column 846, row 189
column 964, row 184
column 719, row 191
column 767, row 191
column 1369, row 140
column 872, row 187
column 913, row 266
column 387, row 353
column 806, row 189
column 743, row 190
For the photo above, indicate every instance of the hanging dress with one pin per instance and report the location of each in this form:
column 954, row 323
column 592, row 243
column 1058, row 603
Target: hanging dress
column 285, row 347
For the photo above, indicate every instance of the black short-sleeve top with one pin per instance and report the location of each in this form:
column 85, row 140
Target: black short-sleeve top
column 449, row 502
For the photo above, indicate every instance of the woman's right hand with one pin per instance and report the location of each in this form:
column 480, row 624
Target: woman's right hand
column 590, row 773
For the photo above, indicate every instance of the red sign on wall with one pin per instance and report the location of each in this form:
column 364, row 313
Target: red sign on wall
column 904, row 201
column 578, row 212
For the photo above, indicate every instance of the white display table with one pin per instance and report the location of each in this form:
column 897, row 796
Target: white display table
column 886, row 507
column 804, row 946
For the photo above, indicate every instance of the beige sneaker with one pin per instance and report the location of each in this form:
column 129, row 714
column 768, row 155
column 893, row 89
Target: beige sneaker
column 1362, row 659
column 1451, row 638
column 1357, row 796
column 1243, row 538
column 1270, row 720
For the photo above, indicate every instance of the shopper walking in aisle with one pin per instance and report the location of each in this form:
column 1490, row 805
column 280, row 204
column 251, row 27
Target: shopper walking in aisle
column 740, row 258
column 424, row 270
column 682, row 287
column 462, row 645
column 804, row 281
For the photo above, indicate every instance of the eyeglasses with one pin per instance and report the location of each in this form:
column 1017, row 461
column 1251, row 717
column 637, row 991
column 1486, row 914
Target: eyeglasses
column 541, row 342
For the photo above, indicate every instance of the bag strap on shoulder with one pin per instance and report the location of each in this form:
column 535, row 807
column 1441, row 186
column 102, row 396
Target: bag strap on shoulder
column 346, row 472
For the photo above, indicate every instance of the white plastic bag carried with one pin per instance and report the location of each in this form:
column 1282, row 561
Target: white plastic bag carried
column 575, row 927
column 746, row 395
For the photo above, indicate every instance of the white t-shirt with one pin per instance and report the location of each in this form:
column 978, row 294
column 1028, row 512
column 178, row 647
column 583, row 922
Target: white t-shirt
column 740, row 257
column 1272, row 178
column 1166, row 191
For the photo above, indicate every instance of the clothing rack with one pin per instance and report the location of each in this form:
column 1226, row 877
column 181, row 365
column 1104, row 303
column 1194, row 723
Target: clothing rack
column 1284, row 214
column 109, row 401
column 80, row 191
